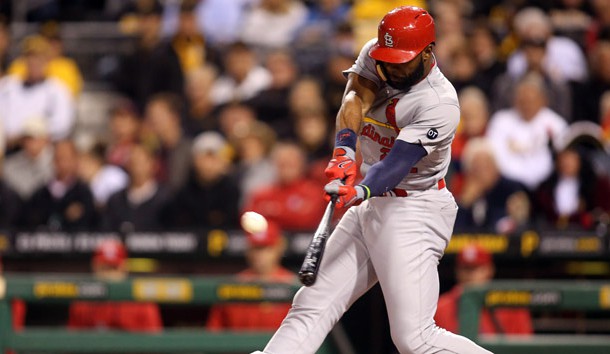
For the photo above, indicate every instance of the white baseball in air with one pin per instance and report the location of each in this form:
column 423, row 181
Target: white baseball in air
column 253, row 222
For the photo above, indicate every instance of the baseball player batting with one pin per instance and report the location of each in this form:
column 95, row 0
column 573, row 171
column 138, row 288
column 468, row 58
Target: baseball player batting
column 406, row 113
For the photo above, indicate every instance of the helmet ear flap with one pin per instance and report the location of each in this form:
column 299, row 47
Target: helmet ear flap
column 381, row 72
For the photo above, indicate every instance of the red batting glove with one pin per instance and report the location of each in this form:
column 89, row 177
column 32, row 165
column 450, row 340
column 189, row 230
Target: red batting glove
column 346, row 195
column 342, row 166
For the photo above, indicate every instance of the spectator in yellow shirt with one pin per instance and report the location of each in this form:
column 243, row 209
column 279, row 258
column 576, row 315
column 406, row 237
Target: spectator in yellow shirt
column 59, row 66
column 188, row 42
column 366, row 15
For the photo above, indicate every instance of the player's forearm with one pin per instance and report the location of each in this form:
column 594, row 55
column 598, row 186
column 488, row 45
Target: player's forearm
column 349, row 120
column 351, row 113
column 357, row 100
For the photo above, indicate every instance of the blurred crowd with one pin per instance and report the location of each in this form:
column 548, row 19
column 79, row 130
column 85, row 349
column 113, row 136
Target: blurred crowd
column 227, row 106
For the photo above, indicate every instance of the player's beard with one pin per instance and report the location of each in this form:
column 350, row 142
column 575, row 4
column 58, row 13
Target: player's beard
column 407, row 82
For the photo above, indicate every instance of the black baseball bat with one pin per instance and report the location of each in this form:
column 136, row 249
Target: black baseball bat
column 315, row 251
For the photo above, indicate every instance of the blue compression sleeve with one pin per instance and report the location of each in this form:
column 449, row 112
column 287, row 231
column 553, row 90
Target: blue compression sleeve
column 387, row 173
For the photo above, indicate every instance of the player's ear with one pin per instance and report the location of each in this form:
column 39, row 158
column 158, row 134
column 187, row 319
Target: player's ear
column 428, row 52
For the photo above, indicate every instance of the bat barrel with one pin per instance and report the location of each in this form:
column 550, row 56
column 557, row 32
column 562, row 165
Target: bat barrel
column 315, row 251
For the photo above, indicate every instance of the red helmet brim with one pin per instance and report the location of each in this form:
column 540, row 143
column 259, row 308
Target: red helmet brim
column 391, row 55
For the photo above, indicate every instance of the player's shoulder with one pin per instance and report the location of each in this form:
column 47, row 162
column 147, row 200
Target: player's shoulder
column 432, row 94
column 367, row 46
column 364, row 51
column 365, row 65
column 433, row 91
column 439, row 88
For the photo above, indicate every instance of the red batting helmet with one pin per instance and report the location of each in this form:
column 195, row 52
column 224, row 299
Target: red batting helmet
column 265, row 238
column 403, row 33
column 473, row 256
column 110, row 252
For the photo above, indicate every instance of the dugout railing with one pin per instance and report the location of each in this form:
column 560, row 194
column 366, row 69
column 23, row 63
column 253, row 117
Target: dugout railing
column 162, row 290
column 589, row 296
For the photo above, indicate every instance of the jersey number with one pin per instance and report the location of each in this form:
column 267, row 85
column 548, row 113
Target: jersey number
column 384, row 152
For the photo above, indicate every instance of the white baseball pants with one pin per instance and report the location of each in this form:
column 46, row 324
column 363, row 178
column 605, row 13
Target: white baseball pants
column 397, row 241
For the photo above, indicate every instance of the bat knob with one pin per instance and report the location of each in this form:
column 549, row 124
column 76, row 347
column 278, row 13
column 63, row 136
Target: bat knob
column 307, row 278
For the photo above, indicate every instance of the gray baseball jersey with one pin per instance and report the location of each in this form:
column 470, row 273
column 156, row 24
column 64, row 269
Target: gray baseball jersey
column 428, row 114
column 394, row 240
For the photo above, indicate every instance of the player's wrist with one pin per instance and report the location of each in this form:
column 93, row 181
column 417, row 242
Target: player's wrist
column 362, row 192
column 345, row 143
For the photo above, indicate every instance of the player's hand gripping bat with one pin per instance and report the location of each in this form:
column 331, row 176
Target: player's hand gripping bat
column 315, row 251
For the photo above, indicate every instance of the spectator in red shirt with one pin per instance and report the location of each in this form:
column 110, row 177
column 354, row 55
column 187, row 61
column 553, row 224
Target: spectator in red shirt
column 295, row 201
column 264, row 253
column 110, row 264
column 474, row 266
